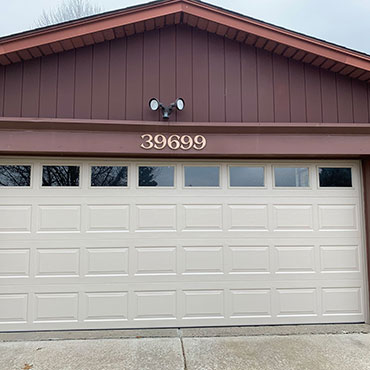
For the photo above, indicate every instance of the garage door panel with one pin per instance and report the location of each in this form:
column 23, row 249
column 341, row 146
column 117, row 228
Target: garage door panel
column 202, row 217
column 14, row 263
column 247, row 217
column 156, row 217
column 57, row 262
column 134, row 257
column 298, row 301
column 339, row 217
column 15, row 218
column 108, row 218
column 342, row 301
column 105, row 306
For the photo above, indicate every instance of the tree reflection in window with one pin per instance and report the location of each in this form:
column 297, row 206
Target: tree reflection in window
column 156, row 176
column 60, row 175
column 108, row 176
column 14, row 175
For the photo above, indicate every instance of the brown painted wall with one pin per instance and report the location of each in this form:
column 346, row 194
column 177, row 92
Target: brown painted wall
column 220, row 80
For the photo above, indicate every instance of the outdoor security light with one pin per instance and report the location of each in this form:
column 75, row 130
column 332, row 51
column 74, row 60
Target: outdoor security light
column 155, row 104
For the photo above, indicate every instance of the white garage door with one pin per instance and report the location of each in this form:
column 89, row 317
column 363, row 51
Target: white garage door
column 116, row 244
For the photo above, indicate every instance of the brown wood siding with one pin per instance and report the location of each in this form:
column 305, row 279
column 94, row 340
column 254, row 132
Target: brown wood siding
column 220, row 80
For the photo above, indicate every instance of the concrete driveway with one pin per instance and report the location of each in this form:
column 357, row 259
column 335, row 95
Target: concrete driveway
column 271, row 352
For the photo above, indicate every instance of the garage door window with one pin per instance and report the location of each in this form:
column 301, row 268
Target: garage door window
column 60, row 176
column 246, row 176
column 156, row 176
column 291, row 176
column 335, row 177
column 202, row 176
column 108, row 176
column 14, row 175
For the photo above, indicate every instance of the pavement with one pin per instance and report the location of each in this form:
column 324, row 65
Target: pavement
column 303, row 348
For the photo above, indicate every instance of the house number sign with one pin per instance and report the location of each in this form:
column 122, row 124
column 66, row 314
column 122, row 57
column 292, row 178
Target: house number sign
column 174, row 142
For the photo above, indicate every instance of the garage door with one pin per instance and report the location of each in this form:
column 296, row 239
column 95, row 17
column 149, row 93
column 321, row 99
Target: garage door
column 116, row 244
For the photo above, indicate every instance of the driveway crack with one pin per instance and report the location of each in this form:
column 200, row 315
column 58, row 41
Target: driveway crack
column 183, row 353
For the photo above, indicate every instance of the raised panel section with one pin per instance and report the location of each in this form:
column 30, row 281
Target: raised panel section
column 337, row 217
column 15, row 219
column 203, row 304
column 150, row 305
column 296, row 302
column 57, row 262
column 56, row 307
column 249, row 259
column 13, row 308
column 293, row 217
column 156, row 217
column 342, row 258
column 59, row 218
column 155, row 261
column 14, row 262
column 106, row 306
column 250, row 303
column 295, row 259
column 203, row 217
column 107, row 261
column 341, row 301
column 248, row 217
column 108, row 218
column 203, row 260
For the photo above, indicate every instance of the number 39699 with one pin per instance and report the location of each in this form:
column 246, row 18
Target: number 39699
column 174, row 142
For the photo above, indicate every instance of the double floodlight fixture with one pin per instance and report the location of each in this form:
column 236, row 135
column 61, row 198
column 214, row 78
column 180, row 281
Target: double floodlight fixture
column 155, row 104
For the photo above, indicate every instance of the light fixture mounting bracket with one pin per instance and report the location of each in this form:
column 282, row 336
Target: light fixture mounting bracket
column 166, row 110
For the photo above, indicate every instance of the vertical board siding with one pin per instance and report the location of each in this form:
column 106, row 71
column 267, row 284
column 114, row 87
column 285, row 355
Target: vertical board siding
column 265, row 86
column 220, row 80
column 31, row 88
column 329, row 97
column 13, row 90
column 345, row 106
column 232, row 78
column 83, row 83
column 281, row 89
column 167, row 68
column 66, row 83
column 48, row 86
column 117, row 79
column 313, row 94
column 151, row 74
column 360, row 108
column 297, row 91
column 249, row 84
column 200, row 76
column 100, row 81
column 134, row 78
column 2, row 89
column 216, row 78
column 184, row 80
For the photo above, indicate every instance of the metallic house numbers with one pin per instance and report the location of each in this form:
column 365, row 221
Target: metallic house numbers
column 174, row 142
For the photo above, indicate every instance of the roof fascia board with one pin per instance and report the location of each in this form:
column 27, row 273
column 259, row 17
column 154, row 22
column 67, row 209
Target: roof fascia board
column 276, row 34
column 191, row 7
column 90, row 26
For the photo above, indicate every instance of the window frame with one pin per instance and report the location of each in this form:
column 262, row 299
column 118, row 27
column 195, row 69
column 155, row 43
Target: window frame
column 247, row 187
column 138, row 165
column 32, row 171
column 62, row 164
column 91, row 165
column 292, row 165
column 335, row 187
column 219, row 166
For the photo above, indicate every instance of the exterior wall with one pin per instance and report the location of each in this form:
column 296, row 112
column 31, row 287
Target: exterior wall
column 220, row 80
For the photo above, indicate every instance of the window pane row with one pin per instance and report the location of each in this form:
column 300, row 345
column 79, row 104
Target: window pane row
column 164, row 176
